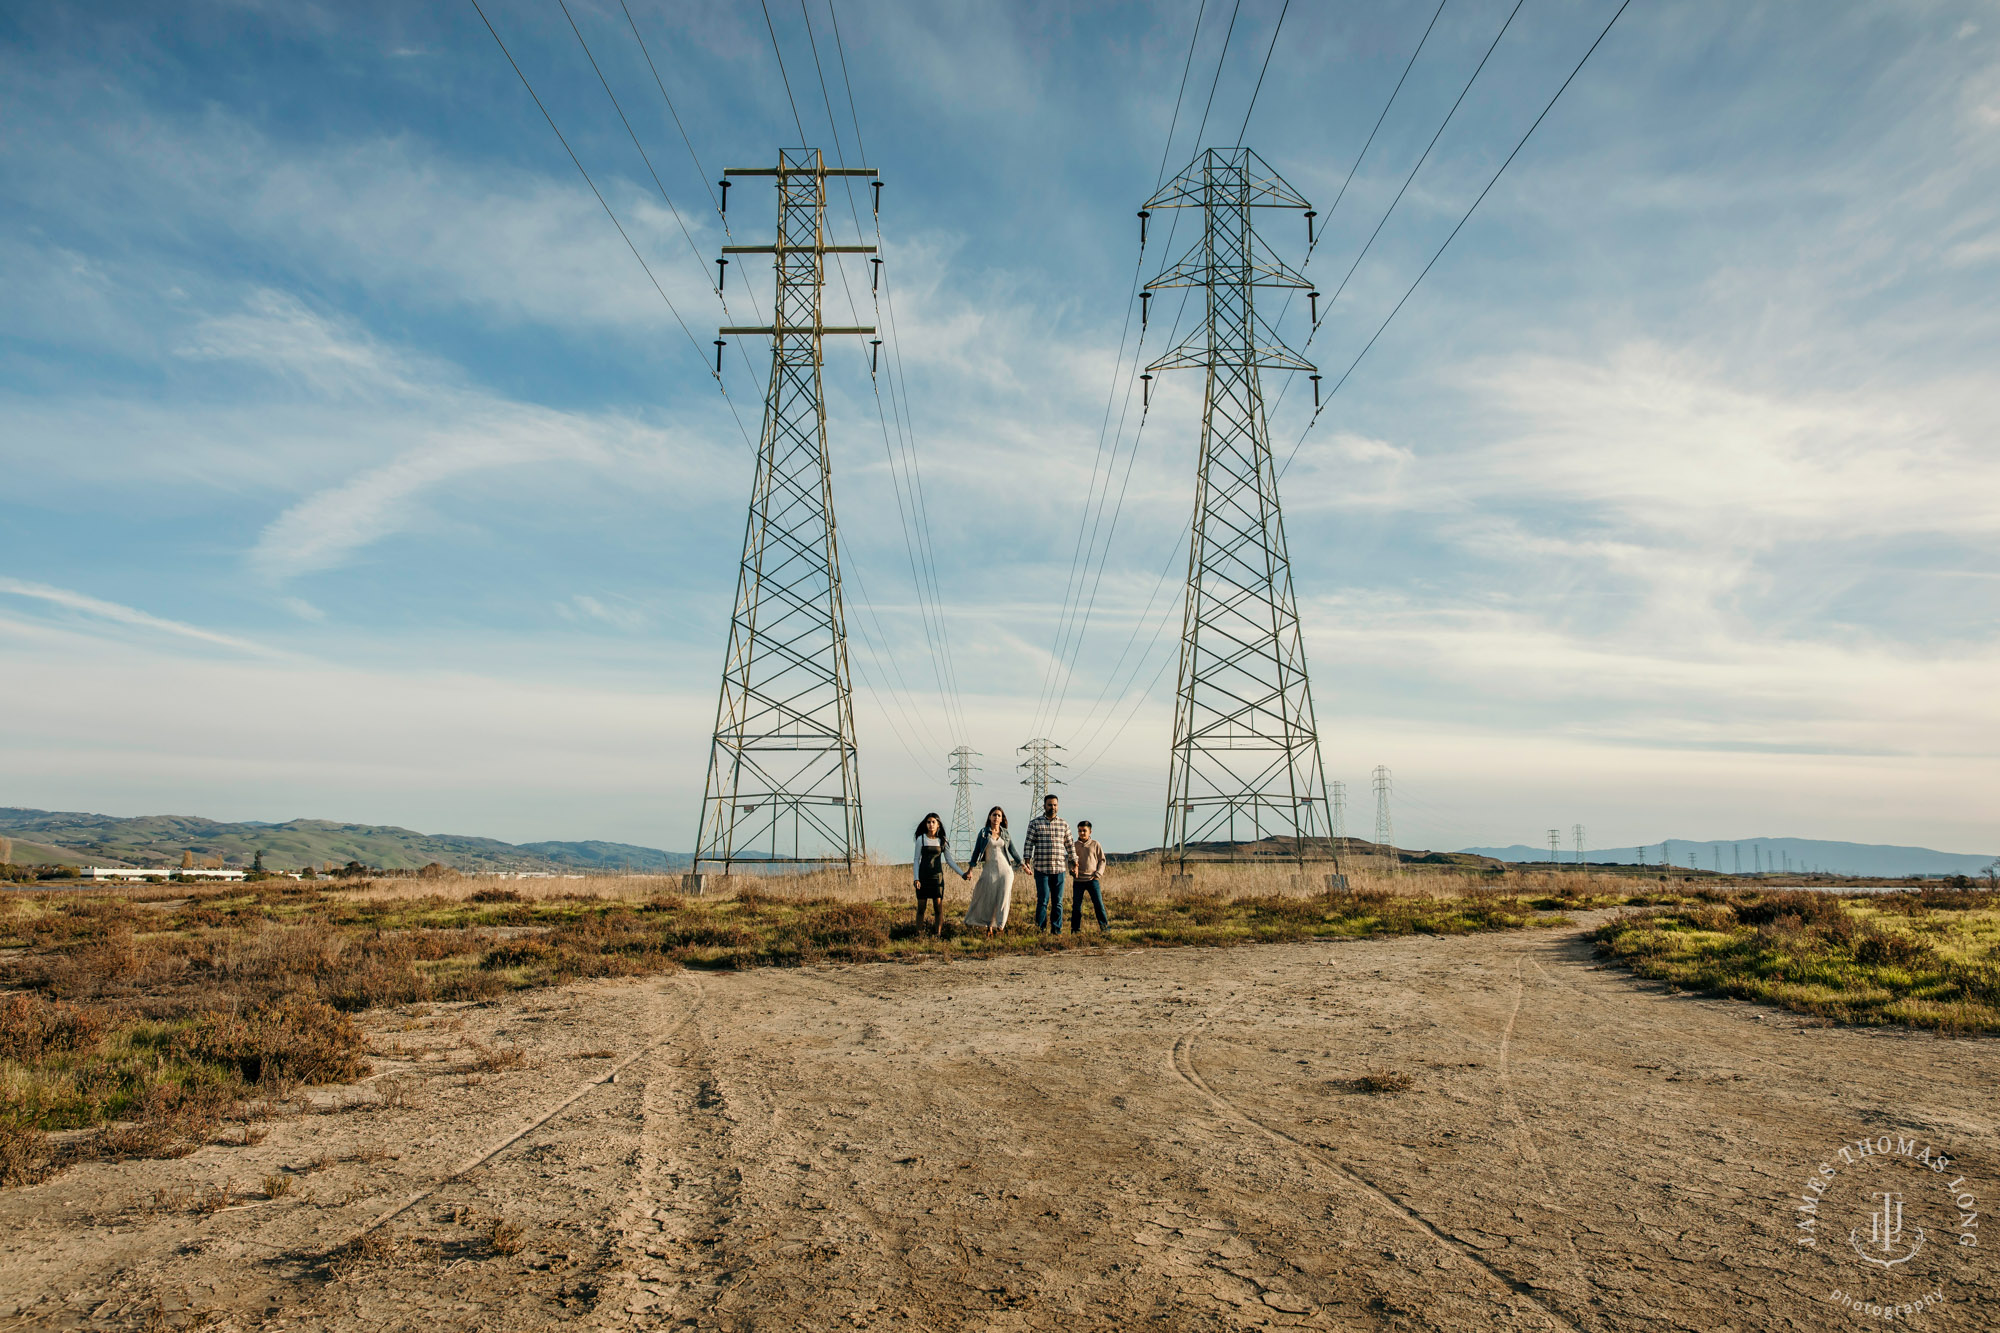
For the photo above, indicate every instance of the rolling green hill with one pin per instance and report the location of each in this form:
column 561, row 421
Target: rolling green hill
column 45, row 837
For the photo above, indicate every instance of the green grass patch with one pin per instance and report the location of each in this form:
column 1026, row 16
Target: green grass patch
column 1929, row 959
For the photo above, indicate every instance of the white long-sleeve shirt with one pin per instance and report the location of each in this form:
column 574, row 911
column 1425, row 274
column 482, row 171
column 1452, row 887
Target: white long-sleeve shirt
column 917, row 856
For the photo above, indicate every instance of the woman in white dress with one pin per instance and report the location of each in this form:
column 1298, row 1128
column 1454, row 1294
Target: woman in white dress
column 994, row 893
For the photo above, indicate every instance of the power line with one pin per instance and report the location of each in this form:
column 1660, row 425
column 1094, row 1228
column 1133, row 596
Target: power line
column 599, row 194
column 1393, row 94
column 1092, row 503
column 1069, row 640
column 694, row 156
column 1522, row 142
column 1334, row 208
column 905, row 421
column 783, row 77
column 645, row 157
column 1220, row 59
column 1136, row 706
column 1276, row 28
column 1174, row 555
column 930, row 599
column 1424, row 157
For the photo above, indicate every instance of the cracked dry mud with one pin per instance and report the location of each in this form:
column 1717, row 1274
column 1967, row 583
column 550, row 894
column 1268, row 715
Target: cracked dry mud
column 1164, row 1139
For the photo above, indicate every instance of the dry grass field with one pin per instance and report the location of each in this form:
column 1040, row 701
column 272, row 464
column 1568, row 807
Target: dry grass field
column 1427, row 1102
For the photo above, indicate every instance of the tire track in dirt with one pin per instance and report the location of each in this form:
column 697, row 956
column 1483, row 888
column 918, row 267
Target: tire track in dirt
column 1181, row 1062
column 668, row 1250
column 1523, row 1139
column 916, row 1293
column 1191, row 1254
column 493, row 1151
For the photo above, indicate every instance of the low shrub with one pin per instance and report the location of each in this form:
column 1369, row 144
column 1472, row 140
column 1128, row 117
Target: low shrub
column 25, row 1155
column 292, row 1040
column 33, row 1029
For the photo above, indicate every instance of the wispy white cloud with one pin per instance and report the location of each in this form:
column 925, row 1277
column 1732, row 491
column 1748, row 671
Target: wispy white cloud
column 125, row 615
column 616, row 613
column 277, row 332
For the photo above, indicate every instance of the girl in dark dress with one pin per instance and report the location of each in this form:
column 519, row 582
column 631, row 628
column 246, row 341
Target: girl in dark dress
column 927, row 862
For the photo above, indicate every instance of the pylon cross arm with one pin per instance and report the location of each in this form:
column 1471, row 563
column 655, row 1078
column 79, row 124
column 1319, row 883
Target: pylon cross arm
column 1247, row 179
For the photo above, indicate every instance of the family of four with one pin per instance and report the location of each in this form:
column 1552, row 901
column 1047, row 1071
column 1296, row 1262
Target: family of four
column 1049, row 849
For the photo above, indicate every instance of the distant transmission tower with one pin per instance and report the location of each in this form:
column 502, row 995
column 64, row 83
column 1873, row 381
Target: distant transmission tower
column 1385, row 828
column 1038, row 765
column 1245, row 762
column 1555, row 842
column 962, row 769
column 784, row 784
column 1577, row 831
column 1337, row 792
column 1736, row 853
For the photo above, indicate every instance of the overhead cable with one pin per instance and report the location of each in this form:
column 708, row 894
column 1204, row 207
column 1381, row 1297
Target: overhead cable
column 602, row 203
column 1467, row 217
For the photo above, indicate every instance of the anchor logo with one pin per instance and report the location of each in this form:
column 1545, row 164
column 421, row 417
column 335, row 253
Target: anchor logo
column 1885, row 1234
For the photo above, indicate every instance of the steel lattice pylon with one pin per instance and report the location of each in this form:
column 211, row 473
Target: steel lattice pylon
column 1245, row 764
column 1038, row 765
column 962, row 769
column 783, row 782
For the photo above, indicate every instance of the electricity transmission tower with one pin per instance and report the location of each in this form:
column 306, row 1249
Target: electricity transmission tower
column 1555, row 841
column 1337, row 794
column 1385, row 829
column 1038, row 765
column 962, row 769
column 783, row 780
column 1245, row 762
column 1576, row 830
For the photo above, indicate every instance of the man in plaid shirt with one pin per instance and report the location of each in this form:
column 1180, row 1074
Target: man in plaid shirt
column 1050, row 852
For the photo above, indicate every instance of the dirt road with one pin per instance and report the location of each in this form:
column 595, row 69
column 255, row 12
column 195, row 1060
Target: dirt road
column 1171, row 1139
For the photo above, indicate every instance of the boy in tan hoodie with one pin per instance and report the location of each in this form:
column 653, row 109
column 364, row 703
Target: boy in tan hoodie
column 1089, row 872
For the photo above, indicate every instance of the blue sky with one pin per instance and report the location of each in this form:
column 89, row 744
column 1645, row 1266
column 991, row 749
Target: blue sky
column 355, row 469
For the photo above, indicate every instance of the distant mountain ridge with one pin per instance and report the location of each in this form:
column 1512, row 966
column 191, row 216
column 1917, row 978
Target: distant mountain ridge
column 45, row 837
column 1746, row 855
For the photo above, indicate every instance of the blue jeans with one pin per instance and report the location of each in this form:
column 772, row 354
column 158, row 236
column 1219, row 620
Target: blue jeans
column 1048, row 900
column 1090, row 887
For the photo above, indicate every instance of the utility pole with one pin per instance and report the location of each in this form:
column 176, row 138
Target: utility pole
column 1385, row 828
column 962, row 769
column 1245, row 763
column 1038, row 765
column 784, row 781
column 1736, row 855
column 1577, row 831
